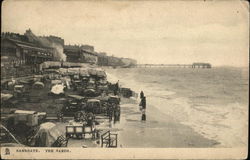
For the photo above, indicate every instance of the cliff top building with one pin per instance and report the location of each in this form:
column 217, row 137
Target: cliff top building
column 22, row 48
column 83, row 47
column 24, row 52
column 82, row 54
column 48, row 41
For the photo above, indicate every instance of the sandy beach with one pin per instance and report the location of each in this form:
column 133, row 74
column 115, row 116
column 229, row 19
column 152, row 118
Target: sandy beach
column 157, row 131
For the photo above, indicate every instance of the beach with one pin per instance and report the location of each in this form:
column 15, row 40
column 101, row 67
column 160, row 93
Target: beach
column 185, row 107
column 158, row 131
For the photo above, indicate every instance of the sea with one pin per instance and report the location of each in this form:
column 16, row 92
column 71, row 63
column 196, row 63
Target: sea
column 213, row 102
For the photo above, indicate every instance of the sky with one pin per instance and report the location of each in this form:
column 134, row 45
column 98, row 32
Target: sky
column 169, row 32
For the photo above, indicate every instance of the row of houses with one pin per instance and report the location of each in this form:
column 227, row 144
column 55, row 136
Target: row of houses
column 20, row 50
column 80, row 54
column 85, row 54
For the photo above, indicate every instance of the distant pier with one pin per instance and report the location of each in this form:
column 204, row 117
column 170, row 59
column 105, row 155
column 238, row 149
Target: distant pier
column 201, row 65
column 194, row 65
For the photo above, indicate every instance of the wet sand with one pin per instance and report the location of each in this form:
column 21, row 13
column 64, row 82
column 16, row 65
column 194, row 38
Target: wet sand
column 214, row 102
column 157, row 131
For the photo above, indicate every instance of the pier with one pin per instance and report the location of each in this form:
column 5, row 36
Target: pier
column 194, row 65
column 163, row 65
column 201, row 65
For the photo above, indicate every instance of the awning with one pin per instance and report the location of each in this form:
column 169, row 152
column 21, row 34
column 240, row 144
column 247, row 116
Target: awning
column 49, row 64
column 47, row 134
column 24, row 112
column 30, row 47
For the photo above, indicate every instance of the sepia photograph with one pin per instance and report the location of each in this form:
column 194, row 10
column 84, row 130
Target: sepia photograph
column 109, row 79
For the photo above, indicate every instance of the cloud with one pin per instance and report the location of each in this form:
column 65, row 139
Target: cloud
column 151, row 32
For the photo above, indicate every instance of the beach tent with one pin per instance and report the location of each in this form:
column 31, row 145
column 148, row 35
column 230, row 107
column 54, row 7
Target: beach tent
column 5, row 97
column 73, row 71
column 66, row 64
column 70, row 64
column 56, row 81
column 44, row 65
column 37, row 77
column 11, row 84
column 84, row 65
column 63, row 71
column 75, row 64
column 50, row 64
column 4, row 58
column 54, row 71
column 97, row 72
column 38, row 85
column 47, row 134
column 100, row 72
column 92, row 71
column 90, row 92
column 84, row 72
column 103, row 81
column 57, row 89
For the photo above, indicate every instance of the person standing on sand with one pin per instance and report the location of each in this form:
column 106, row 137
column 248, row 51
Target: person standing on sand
column 116, row 89
column 141, row 94
column 110, row 111
column 143, row 108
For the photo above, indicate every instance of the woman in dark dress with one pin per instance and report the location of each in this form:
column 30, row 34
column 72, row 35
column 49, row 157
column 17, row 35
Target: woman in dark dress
column 143, row 110
column 141, row 94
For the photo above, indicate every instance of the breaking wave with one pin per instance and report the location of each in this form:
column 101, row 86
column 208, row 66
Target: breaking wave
column 225, row 123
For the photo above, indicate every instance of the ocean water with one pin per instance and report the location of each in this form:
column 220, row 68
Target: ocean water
column 213, row 102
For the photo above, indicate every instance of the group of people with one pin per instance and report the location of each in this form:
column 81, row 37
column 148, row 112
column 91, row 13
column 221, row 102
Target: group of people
column 143, row 106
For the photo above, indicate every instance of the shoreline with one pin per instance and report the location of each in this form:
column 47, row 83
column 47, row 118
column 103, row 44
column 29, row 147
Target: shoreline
column 157, row 131
column 215, row 118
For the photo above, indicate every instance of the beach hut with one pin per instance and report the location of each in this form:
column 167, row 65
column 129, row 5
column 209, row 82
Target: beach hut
column 66, row 64
column 50, row 64
column 97, row 72
column 47, row 134
column 63, row 71
column 83, row 72
column 56, row 81
column 73, row 71
column 100, row 72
